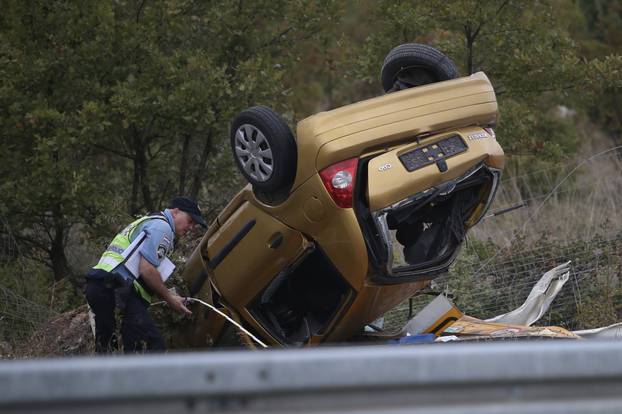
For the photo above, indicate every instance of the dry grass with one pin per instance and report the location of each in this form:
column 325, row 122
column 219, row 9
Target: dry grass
column 575, row 200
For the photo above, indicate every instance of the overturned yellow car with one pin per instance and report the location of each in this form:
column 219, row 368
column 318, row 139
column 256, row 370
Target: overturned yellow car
column 355, row 213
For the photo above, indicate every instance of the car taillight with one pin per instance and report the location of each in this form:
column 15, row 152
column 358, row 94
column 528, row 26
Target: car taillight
column 491, row 132
column 339, row 180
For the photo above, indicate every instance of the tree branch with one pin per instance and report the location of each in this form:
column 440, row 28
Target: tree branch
column 183, row 164
column 140, row 9
column 503, row 5
column 148, row 128
column 32, row 242
column 503, row 32
column 276, row 39
column 519, row 91
column 195, row 187
column 153, row 155
column 113, row 151
column 46, row 228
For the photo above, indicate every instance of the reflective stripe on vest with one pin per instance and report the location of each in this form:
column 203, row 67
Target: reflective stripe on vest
column 112, row 257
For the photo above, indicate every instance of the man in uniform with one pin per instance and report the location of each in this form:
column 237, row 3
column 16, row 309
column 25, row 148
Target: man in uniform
column 113, row 283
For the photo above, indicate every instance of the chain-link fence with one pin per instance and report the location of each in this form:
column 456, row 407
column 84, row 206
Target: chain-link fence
column 19, row 316
column 484, row 288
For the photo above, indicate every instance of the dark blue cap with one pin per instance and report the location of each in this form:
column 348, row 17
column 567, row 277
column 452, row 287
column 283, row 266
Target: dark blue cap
column 189, row 206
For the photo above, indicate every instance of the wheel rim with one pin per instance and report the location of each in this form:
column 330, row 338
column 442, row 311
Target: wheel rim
column 253, row 152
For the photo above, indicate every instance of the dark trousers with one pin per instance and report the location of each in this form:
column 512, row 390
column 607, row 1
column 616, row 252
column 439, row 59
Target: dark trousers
column 138, row 331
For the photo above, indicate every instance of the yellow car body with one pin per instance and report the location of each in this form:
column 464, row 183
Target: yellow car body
column 304, row 270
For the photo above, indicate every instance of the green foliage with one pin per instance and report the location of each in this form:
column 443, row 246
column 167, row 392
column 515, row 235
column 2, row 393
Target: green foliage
column 47, row 67
column 603, row 43
column 116, row 107
column 110, row 109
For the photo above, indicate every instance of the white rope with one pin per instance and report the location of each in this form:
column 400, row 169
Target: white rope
column 223, row 315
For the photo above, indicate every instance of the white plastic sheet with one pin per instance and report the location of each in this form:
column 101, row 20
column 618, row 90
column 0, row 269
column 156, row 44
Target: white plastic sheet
column 606, row 332
column 539, row 299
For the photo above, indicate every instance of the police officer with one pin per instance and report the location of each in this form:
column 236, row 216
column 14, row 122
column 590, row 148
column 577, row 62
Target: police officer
column 111, row 284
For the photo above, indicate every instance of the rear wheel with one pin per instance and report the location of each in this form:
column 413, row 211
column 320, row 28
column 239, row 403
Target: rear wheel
column 264, row 149
column 413, row 64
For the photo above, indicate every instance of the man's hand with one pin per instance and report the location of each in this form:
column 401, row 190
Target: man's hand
column 177, row 303
column 151, row 277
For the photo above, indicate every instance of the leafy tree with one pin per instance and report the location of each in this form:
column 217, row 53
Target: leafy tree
column 48, row 183
column 109, row 107
column 602, row 41
column 178, row 79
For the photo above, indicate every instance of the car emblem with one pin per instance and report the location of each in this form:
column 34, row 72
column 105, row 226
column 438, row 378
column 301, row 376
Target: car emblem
column 385, row 167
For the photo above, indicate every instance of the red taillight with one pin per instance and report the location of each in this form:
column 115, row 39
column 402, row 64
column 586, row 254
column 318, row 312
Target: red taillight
column 339, row 180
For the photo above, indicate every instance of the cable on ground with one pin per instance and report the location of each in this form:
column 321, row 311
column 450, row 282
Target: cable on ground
column 253, row 337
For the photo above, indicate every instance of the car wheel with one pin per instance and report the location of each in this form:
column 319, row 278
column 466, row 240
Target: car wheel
column 264, row 149
column 413, row 64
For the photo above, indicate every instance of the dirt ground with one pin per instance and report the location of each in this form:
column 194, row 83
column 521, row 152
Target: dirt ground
column 69, row 334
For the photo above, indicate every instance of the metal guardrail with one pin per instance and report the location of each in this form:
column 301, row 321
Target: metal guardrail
column 509, row 377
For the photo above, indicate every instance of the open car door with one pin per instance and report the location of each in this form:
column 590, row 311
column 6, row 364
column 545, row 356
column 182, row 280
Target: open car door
column 246, row 253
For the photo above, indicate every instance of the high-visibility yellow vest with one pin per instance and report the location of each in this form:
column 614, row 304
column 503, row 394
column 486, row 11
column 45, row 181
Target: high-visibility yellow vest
column 113, row 257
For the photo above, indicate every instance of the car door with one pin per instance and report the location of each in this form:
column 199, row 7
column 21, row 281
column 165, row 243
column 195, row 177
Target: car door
column 248, row 250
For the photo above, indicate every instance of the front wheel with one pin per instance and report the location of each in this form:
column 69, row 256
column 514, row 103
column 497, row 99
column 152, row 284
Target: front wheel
column 264, row 149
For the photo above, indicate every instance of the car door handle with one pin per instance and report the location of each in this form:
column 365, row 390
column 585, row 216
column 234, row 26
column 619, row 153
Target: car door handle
column 276, row 240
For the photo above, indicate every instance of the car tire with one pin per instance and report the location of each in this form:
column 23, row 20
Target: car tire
column 264, row 149
column 413, row 64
